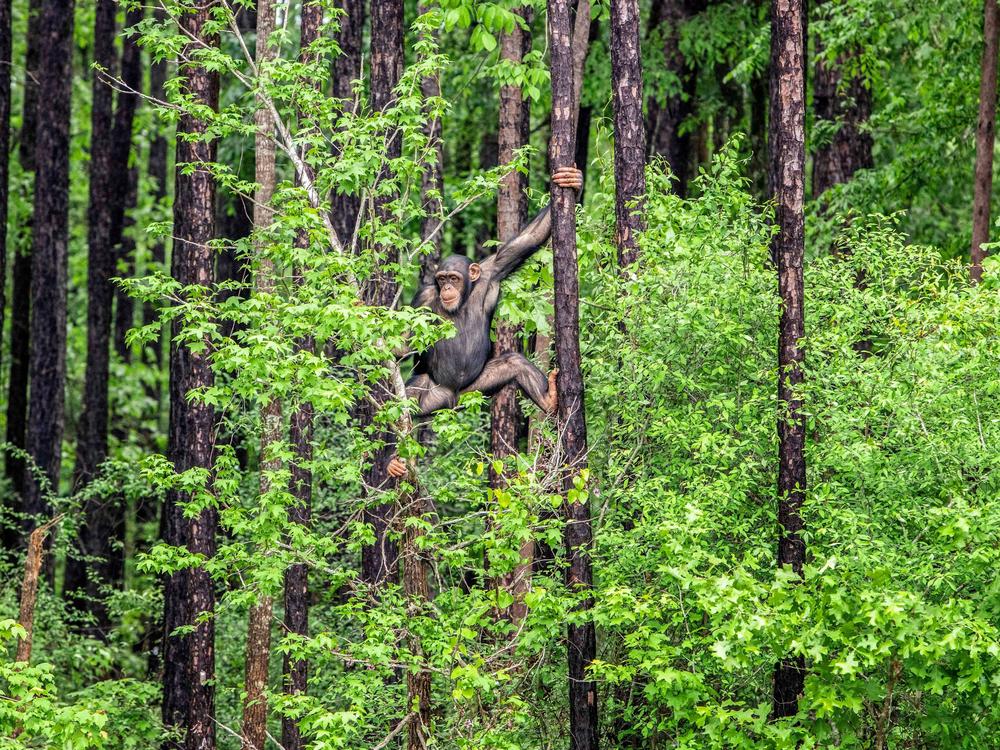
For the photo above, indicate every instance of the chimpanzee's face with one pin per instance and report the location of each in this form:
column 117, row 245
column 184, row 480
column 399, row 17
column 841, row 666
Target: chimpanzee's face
column 451, row 289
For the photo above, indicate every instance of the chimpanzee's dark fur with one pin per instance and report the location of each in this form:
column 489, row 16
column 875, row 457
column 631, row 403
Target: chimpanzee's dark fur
column 462, row 363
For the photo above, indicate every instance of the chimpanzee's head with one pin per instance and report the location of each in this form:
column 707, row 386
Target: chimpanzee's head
column 455, row 276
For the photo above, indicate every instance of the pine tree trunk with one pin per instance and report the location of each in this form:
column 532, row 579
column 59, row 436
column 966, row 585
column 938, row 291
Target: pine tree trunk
column 630, row 139
column 417, row 588
column 47, row 368
column 96, row 535
column 7, row 536
column 6, row 60
column 432, row 182
column 20, row 323
column 346, row 70
column 667, row 113
column 985, row 136
column 189, row 661
column 125, row 256
column 296, row 599
column 572, row 425
column 379, row 562
column 157, row 171
column 507, row 422
column 851, row 148
column 787, row 160
column 254, row 729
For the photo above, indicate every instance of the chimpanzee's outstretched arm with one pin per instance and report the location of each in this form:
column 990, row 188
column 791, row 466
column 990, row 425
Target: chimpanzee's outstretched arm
column 513, row 253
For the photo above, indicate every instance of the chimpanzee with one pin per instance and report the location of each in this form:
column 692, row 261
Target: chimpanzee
column 466, row 294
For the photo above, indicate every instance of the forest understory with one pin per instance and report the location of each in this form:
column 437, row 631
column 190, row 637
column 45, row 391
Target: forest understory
column 685, row 440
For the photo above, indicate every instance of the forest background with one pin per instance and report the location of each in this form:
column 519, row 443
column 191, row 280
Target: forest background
column 764, row 515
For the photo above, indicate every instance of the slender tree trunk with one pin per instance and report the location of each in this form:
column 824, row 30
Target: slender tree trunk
column 189, row 660
column 157, row 171
column 432, row 181
column 259, row 624
column 296, row 603
column 20, row 323
column 379, row 562
column 787, row 159
column 417, row 588
column 125, row 255
column 7, row 535
column 985, row 136
column 47, row 368
column 630, row 139
column 83, row 575
column 572, row 425
column 667, row 112
column 347, row 70
column 851, row 148
column 125, row 191
column 6, row 60
column 512, row 213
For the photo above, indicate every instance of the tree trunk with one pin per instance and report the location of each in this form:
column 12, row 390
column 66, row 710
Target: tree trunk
column 432, row 182
column 572, row 426
column 6, row 60
column 258, row 649
column 630, row 140
column 787, row 160
column 97, row 533
column 506, row 422
column 851, row 148
column 125, row 256
column 296, row 672
column 157, row 171
column 379, row 562
column 20, row 323
column 47, row 368
column 985, row 134
column 417, row 588
column 346, row 70
column 124, row 191
column 7, row 536
column 189, row 660
column 666, row 113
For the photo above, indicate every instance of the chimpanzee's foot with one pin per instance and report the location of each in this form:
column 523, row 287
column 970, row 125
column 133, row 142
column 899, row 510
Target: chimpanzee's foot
column 396, row 468
column 552, row 398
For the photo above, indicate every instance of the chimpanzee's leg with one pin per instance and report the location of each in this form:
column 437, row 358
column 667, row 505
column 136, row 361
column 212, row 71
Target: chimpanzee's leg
column 429, row 395
column 513, row 367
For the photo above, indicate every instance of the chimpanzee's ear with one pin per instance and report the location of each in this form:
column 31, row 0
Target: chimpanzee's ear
column 474, row 271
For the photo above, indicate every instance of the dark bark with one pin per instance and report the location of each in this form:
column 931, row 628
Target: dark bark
column 6, row 61
column 189, row 661
column 506, row 422
column 630, row 139
column 489, row 158
column 7, row 535
column 572, row 426
column 346, row 70
column 666, row 112
column 124, row 193
column 29, row 117
column 99, row 559
column 157, row 171
column 985, row 137
column 850, row 107
column 83, row 575
column 47, row 368
column 296, row 600
column 379, row 561
column 432, row 182
column 124, row 303
column 17, row 386
column 787, row 161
